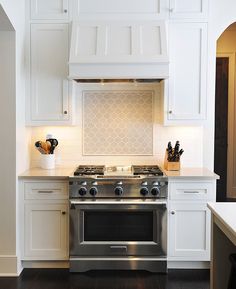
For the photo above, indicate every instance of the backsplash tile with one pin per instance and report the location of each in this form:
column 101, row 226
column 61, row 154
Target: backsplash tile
column 70, row 149
column 118, row 122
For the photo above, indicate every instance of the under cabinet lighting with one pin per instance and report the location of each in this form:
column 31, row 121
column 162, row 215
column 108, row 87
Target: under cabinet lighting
column 130, row 80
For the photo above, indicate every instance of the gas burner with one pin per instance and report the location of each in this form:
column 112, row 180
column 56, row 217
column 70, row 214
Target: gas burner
column 147, row 170
column 89, row 170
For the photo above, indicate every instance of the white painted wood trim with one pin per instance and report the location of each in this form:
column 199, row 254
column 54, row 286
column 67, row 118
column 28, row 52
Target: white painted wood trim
column 188, row 264
column 8, row 265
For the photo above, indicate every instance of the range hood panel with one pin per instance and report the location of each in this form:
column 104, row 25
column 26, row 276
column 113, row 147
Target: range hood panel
column 118, row 50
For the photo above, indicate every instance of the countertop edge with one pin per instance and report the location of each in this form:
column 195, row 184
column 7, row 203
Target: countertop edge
column 65, row 173
column 210, row 205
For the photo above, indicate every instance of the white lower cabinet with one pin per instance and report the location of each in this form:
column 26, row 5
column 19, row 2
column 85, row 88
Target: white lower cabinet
column 46, row 231
column 189, row 219
column 45, row 220
column 189, row 231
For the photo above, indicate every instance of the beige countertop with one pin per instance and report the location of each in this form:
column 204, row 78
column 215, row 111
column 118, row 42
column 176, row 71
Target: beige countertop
column 191, row 173
column 57, row 173
column 63, row 173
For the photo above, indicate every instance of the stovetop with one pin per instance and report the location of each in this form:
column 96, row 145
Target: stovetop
column 123, row 182
column 120, row 171
column 85, row 170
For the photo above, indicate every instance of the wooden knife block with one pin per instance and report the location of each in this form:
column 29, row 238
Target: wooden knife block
column 171, row 166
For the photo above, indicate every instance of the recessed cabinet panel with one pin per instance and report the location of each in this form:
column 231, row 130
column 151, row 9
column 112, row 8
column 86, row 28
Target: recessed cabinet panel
column 49, row 84
column 188, row 9
column 188, row 66
column 88, row 40
column 121, row 6
column 53, row 9
column 46, row 231
column 191, row 191
column 189, row 231
column 119, row 40
column 151, row 40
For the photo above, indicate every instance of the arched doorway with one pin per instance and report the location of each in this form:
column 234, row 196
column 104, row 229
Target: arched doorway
column 225, row 111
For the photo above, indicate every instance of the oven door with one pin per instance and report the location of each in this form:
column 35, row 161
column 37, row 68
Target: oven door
column 118, row 228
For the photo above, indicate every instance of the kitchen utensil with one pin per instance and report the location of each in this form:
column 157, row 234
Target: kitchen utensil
column 40, row 148
column 54, row 143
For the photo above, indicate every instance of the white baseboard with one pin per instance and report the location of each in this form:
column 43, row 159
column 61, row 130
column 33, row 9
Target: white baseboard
column 188, row 265
column 45, row 264
column 8, row 266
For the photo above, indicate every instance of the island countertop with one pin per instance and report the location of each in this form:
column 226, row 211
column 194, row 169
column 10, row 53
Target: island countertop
column 226, row 214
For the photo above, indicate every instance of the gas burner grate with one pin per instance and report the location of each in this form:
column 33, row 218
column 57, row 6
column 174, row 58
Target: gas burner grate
column 147, row 170
column 89, row 170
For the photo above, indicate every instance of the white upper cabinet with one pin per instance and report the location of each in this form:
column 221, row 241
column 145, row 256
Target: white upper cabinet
column 122, row 8
column 49, row 9
column 50, row 90
column 185, row 100
column 182, row 9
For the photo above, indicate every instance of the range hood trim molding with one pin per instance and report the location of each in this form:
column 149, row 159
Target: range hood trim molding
column 127, row 71
column 143, row 52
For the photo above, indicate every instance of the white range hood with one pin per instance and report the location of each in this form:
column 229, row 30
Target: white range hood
column 118, row 49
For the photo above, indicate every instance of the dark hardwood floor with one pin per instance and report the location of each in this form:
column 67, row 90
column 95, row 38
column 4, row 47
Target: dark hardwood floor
column 62, row 279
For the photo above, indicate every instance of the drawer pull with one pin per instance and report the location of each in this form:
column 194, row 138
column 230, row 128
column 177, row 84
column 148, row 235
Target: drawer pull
column 191, row 192
column 172, row 212
column 119, row 248
column 45, row 192
column 63, row 212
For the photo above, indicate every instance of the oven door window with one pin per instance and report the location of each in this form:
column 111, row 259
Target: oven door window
column 118, row 225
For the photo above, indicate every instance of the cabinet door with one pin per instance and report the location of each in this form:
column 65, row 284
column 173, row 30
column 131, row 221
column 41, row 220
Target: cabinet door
column 188, row 9
column 186, row 100
column 49, row 71
column 46, row 231
column 189, row 231
column 53, row 9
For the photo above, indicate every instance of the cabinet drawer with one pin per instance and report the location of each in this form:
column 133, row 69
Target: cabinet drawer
column 191, row 190
column 45, row 190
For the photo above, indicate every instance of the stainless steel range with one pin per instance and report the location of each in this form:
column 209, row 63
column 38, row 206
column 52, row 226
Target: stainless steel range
column 118, row 218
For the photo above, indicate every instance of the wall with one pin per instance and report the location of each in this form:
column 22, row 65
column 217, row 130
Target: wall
column 15, row 156
column 221, row 15
column 69, row 151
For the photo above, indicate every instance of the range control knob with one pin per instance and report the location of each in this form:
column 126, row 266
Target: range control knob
column 82, row 191
column 155, row 191
column 93, row 191
column 144, row 191
column 118, row 191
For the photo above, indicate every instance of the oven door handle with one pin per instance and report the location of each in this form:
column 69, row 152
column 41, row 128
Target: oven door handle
column 123, row 248
column 73, row 203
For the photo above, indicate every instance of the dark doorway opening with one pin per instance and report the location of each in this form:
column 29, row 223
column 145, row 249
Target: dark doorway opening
column 221, row 126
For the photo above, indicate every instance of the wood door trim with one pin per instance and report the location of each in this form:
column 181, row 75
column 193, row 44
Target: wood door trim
column 231, row 122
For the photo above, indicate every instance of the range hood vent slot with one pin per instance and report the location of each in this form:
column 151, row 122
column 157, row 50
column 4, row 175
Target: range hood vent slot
column 103, row 81
column 118, row 50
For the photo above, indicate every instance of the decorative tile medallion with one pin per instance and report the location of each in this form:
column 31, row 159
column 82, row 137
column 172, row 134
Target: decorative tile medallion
column 118, row 122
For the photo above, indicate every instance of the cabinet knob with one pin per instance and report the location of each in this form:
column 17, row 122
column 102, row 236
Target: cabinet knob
column 172, row 212
column 63, row 212
column 170, row 111
column 65, row 112
column 65, row 10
